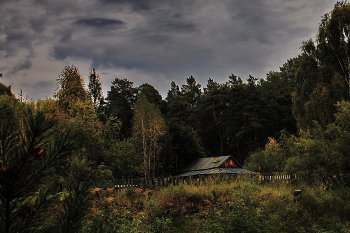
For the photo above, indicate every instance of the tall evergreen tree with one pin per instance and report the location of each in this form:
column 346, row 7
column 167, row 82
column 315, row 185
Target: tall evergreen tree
column 191, row 91
column 176, row 104
column 95, row 88
column 152, row 95
column 173, row 92
column 70, row 87
column 120, row 103
column 182, row 144
column 212, row 113
column 277, row 90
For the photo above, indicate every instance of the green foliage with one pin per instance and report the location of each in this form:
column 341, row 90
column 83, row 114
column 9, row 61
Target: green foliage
column 322, row 71
column 321, row 80
column 271, row 159
column 182, row 116
column 82, row 120
column 4, row 90
column 152, row 95
column 70, row 87
column 317, row 89
column 148, row 128
column 318, row 154
column 95, row 88
column 120, row 103
column 124, row 160
column 314, row 157
column 72, row 209
column 213, row 111
column 191, row 91
column 182, row 146
column 333, row 40
column 232, row 118
column 30, row 150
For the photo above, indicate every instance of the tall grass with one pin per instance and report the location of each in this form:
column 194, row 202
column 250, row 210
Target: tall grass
column 221, row 204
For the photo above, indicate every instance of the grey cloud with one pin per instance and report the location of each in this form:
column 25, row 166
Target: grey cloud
column 58, row 7
column 65, row 35
column 37, row 89
column 134, row 54
column 181, row 41
column 170, row 60
column 22, row 35
column 156, row 38
column 136, row 47
column 255, row 21
column 17, row 39
column 173, row 25
column 39, row 23
column 24, row 64
column 19, row 30
column 136, row 5
column 43, row 85
column 100, row 23
column 64, row 50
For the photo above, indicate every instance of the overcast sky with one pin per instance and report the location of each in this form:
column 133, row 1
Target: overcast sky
column 150, row 41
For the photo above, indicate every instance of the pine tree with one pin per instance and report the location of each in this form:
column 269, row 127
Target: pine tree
column 120, row 104
column 30, row 150
column 72, row 209
column 95, row 88
column 70, row 87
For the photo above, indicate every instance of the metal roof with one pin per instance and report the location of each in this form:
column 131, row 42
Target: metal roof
column 215, row 171
column 207, row 163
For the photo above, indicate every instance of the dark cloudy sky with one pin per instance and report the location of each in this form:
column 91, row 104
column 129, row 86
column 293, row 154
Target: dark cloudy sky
column 150, row 41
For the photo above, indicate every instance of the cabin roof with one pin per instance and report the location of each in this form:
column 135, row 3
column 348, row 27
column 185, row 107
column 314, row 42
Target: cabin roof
column 208, row 163
column 215, row 171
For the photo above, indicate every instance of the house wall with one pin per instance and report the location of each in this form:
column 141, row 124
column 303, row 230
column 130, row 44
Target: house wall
column 230, row 163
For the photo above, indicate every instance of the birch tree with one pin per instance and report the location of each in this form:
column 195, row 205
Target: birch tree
column 148, row 127
column 322, row 71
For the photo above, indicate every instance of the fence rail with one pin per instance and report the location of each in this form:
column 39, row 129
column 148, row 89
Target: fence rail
column 279, row 176
column 172, row 180
column 129, row 183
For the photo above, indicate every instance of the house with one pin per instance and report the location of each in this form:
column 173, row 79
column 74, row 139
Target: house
column 213, row 165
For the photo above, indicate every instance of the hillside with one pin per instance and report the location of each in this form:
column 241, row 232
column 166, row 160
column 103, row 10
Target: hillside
column 221, row 205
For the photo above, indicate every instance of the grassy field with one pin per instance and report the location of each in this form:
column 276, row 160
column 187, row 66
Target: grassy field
column 221, row 205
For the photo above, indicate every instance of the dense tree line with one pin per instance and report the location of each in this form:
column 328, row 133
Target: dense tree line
column 135, row 127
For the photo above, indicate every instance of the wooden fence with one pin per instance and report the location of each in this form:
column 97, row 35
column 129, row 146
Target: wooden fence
column 279, row 176
column 130, row 183
column 173, row 180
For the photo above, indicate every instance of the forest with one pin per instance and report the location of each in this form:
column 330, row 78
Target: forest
column 296, row 120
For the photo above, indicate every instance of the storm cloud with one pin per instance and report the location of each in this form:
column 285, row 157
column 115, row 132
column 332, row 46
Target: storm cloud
column 151, row 41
